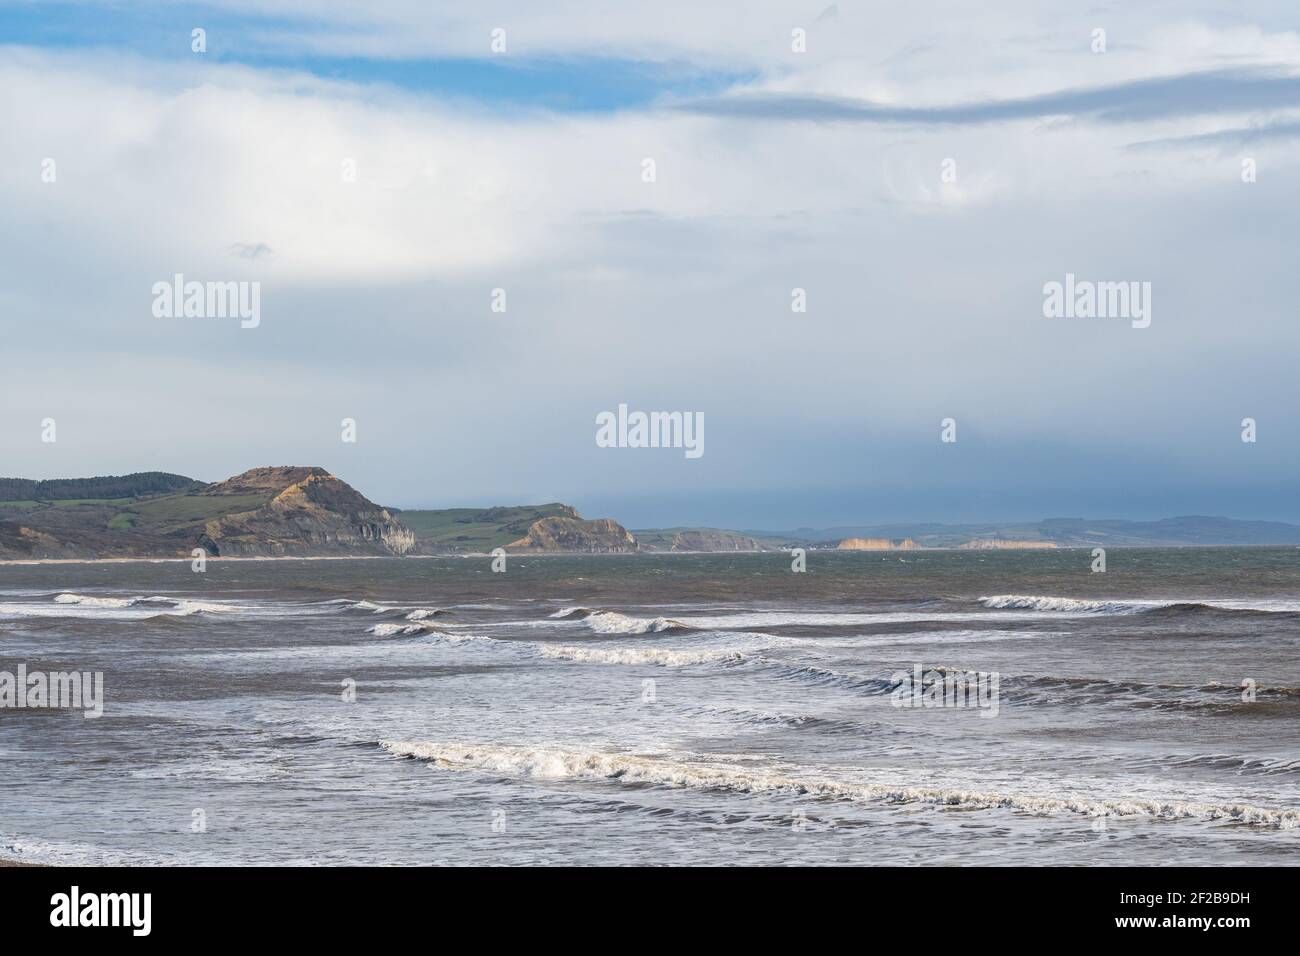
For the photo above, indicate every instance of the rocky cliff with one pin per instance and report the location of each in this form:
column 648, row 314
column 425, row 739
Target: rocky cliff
column 877, row 544
column 266, row 512
column 698, row 540
column 311, row 513
column 598, row 536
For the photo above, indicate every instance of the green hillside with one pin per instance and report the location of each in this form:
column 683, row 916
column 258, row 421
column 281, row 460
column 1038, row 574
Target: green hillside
column 476, row 529
column 94, row 490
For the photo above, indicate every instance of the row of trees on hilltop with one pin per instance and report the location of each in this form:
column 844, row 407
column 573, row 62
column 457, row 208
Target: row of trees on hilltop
column 113, row 486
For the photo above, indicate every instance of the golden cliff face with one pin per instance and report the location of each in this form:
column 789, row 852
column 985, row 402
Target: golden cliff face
column 877, row 544
column 313, row 514
column 598, row 536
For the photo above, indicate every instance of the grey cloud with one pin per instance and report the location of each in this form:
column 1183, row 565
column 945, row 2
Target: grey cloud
column 1237, row 136
column 245, row 250
column 1190, row 94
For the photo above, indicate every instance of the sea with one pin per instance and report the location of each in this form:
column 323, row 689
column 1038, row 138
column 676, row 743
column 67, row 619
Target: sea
column 893, row 708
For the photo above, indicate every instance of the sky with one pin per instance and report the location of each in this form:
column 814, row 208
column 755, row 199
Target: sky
column 649, row 184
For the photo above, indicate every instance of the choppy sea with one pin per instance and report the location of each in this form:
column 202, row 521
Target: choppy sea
column 654, row 710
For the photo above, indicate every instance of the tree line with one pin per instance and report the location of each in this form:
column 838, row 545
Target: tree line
column 113, row 486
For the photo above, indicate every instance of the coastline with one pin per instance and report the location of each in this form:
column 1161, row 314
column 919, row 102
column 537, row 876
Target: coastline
column 332, row 557
column 32, row 562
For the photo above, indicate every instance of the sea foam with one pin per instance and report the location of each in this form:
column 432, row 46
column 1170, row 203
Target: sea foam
column 559, row 763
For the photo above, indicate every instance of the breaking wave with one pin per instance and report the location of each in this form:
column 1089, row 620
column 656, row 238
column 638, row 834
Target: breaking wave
column 1037, row 602
column 1034, row 602
column 94, row 601
column 663, row 657
column 424, row 613
column 556, row 763
column 573, row 613
column 397, row 630
column 611, row 622
column 177, row 606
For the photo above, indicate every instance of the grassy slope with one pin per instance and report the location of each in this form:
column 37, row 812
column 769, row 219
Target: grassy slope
column 161, row 514
column 64, row 503
column 474, row 529
column 663, row 537
column 171, row 512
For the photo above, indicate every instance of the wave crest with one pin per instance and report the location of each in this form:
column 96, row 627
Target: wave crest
column 176, row 606
column 556, row 763
column 663, row 657
column 1036, row 602
column 611, row 622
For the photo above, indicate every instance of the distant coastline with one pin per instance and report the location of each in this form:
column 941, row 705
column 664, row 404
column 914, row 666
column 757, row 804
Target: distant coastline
column 293, row 512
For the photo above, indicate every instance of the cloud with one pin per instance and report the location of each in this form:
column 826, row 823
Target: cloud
column 924, row 294
column 1235, row 137
column 1193, row 94
column 246, row 250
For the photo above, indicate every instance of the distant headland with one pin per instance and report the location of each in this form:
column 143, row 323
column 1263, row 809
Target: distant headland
column 305, row 511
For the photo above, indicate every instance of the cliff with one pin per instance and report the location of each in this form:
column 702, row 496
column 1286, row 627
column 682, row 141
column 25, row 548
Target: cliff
column 698, row 540
column 877, row 544
column 311, row 513
column 266, row 512
column 598, row 536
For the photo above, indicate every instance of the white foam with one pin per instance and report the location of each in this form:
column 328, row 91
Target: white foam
column 557, row 763
column 68, row 604
column 611, row 622
column 765, row 619
column 201, row 607
column 1039, row 602
column 1036, row 602
column 394, row 630
column 664, row 657
column 572, row 612
column 88, row 601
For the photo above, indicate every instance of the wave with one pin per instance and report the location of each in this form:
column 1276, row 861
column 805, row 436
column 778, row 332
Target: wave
column 409, row 612
column 94, row 601
column 664, row 657
column 369, row 607
column 1037, row 602
column 396, row 630
column 1264, row 766
column 165, row 618
column 424, row 613
column 426, row 629
column 833, row 726
column 611, row 622
column 1212, row 698
column 1014, row 689
column 178, row 606
column 827, row 677
column 557, row 763
column 573, row 613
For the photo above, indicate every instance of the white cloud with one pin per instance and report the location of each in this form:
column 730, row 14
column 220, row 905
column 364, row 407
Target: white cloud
column 924, row 296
